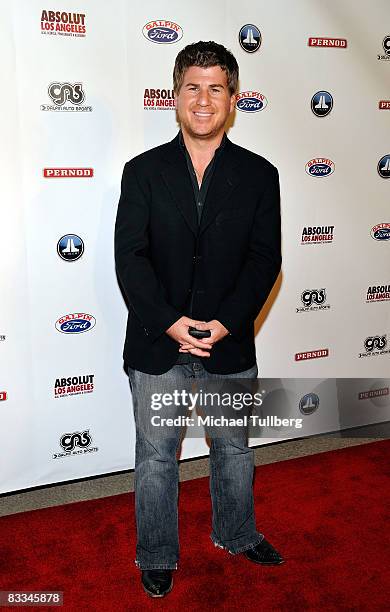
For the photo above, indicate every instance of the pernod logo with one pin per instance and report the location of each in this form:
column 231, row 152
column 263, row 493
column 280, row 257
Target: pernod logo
column 76, row 323
column 250, row 101
column 384, row 166
column 249, row 38
column 309, row 403
column 336, row 43
column 386, row 49
column 320, row 167
column 317, row 354
column 381, row 231
column 162, row 32
column 70, row 247
column 68, row 172
column 322, row 103
column 3, row 396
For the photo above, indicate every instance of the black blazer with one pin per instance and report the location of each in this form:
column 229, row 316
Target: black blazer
column 169, row 267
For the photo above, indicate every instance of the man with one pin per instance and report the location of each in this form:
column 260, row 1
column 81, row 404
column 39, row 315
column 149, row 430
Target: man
column 197, row 244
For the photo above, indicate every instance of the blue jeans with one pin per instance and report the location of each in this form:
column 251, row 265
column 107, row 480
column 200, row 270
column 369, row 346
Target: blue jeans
column 157, row 476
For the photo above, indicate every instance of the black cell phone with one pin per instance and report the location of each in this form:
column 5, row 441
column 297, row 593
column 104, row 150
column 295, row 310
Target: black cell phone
column 199, row 333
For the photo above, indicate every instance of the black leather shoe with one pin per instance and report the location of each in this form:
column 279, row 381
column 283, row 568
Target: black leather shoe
column 157, row 582
column 264, row 553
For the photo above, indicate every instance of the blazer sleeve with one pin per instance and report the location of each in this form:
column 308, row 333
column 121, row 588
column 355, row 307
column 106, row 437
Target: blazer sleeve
column 261, row 267
column 141, row 286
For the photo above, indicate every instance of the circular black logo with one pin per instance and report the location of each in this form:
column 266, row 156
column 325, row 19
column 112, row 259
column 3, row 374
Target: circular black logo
column 70, row 247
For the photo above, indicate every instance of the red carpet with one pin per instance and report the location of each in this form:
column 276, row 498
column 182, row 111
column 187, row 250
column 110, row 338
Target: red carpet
column 328, row 514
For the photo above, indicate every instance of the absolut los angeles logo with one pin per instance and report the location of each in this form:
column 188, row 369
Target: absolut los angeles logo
column 66, row 97
column 75, row 443
column 74, row 385
column 317, row 234
column 63, row 23
column 159, row 99
column 378, row 293
column 250, row 101
column 313, row 299
column 374, row 346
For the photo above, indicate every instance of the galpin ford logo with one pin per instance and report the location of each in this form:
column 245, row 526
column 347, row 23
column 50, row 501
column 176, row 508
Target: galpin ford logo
column 319, row 167
column 250, row 101
column 162, row 32
column 76, row 323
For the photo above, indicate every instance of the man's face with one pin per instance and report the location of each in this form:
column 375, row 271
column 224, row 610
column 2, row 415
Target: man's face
column 204, row 102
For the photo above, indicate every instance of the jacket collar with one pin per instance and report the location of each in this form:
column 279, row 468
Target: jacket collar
column 177, row 179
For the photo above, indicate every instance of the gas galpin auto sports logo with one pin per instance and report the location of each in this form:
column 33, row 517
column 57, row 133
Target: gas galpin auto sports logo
column 76, row 443
column 162, row 32
column 66, row 97
column 62, row 92
column 76, row 323
column 375, row 342
column 374, row 346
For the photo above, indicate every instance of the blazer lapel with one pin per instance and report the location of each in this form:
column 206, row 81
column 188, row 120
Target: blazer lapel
column 224, row 180
column 178, row 182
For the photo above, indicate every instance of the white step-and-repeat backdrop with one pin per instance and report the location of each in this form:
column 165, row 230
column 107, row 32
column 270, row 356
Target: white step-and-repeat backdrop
column 86, row 86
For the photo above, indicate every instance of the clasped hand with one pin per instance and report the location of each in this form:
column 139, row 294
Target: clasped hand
column 196, row 346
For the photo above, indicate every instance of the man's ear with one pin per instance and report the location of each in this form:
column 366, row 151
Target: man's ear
column 232, row 102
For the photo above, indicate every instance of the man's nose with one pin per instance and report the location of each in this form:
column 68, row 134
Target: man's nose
column 203, row 97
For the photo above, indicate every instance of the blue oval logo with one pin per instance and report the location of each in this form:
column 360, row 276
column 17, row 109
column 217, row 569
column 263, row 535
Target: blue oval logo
column 162, row 31
column 75, row 323
column 381, row 231
column 250, row 101
column 319, row 167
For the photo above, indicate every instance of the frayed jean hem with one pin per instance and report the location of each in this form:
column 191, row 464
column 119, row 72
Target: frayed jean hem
column 240, row 549
column 152, row 566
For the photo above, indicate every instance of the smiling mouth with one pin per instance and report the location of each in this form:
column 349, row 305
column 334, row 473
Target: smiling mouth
column 200, row 114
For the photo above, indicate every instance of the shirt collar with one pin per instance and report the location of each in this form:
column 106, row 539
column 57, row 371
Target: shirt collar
column 217, row 151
